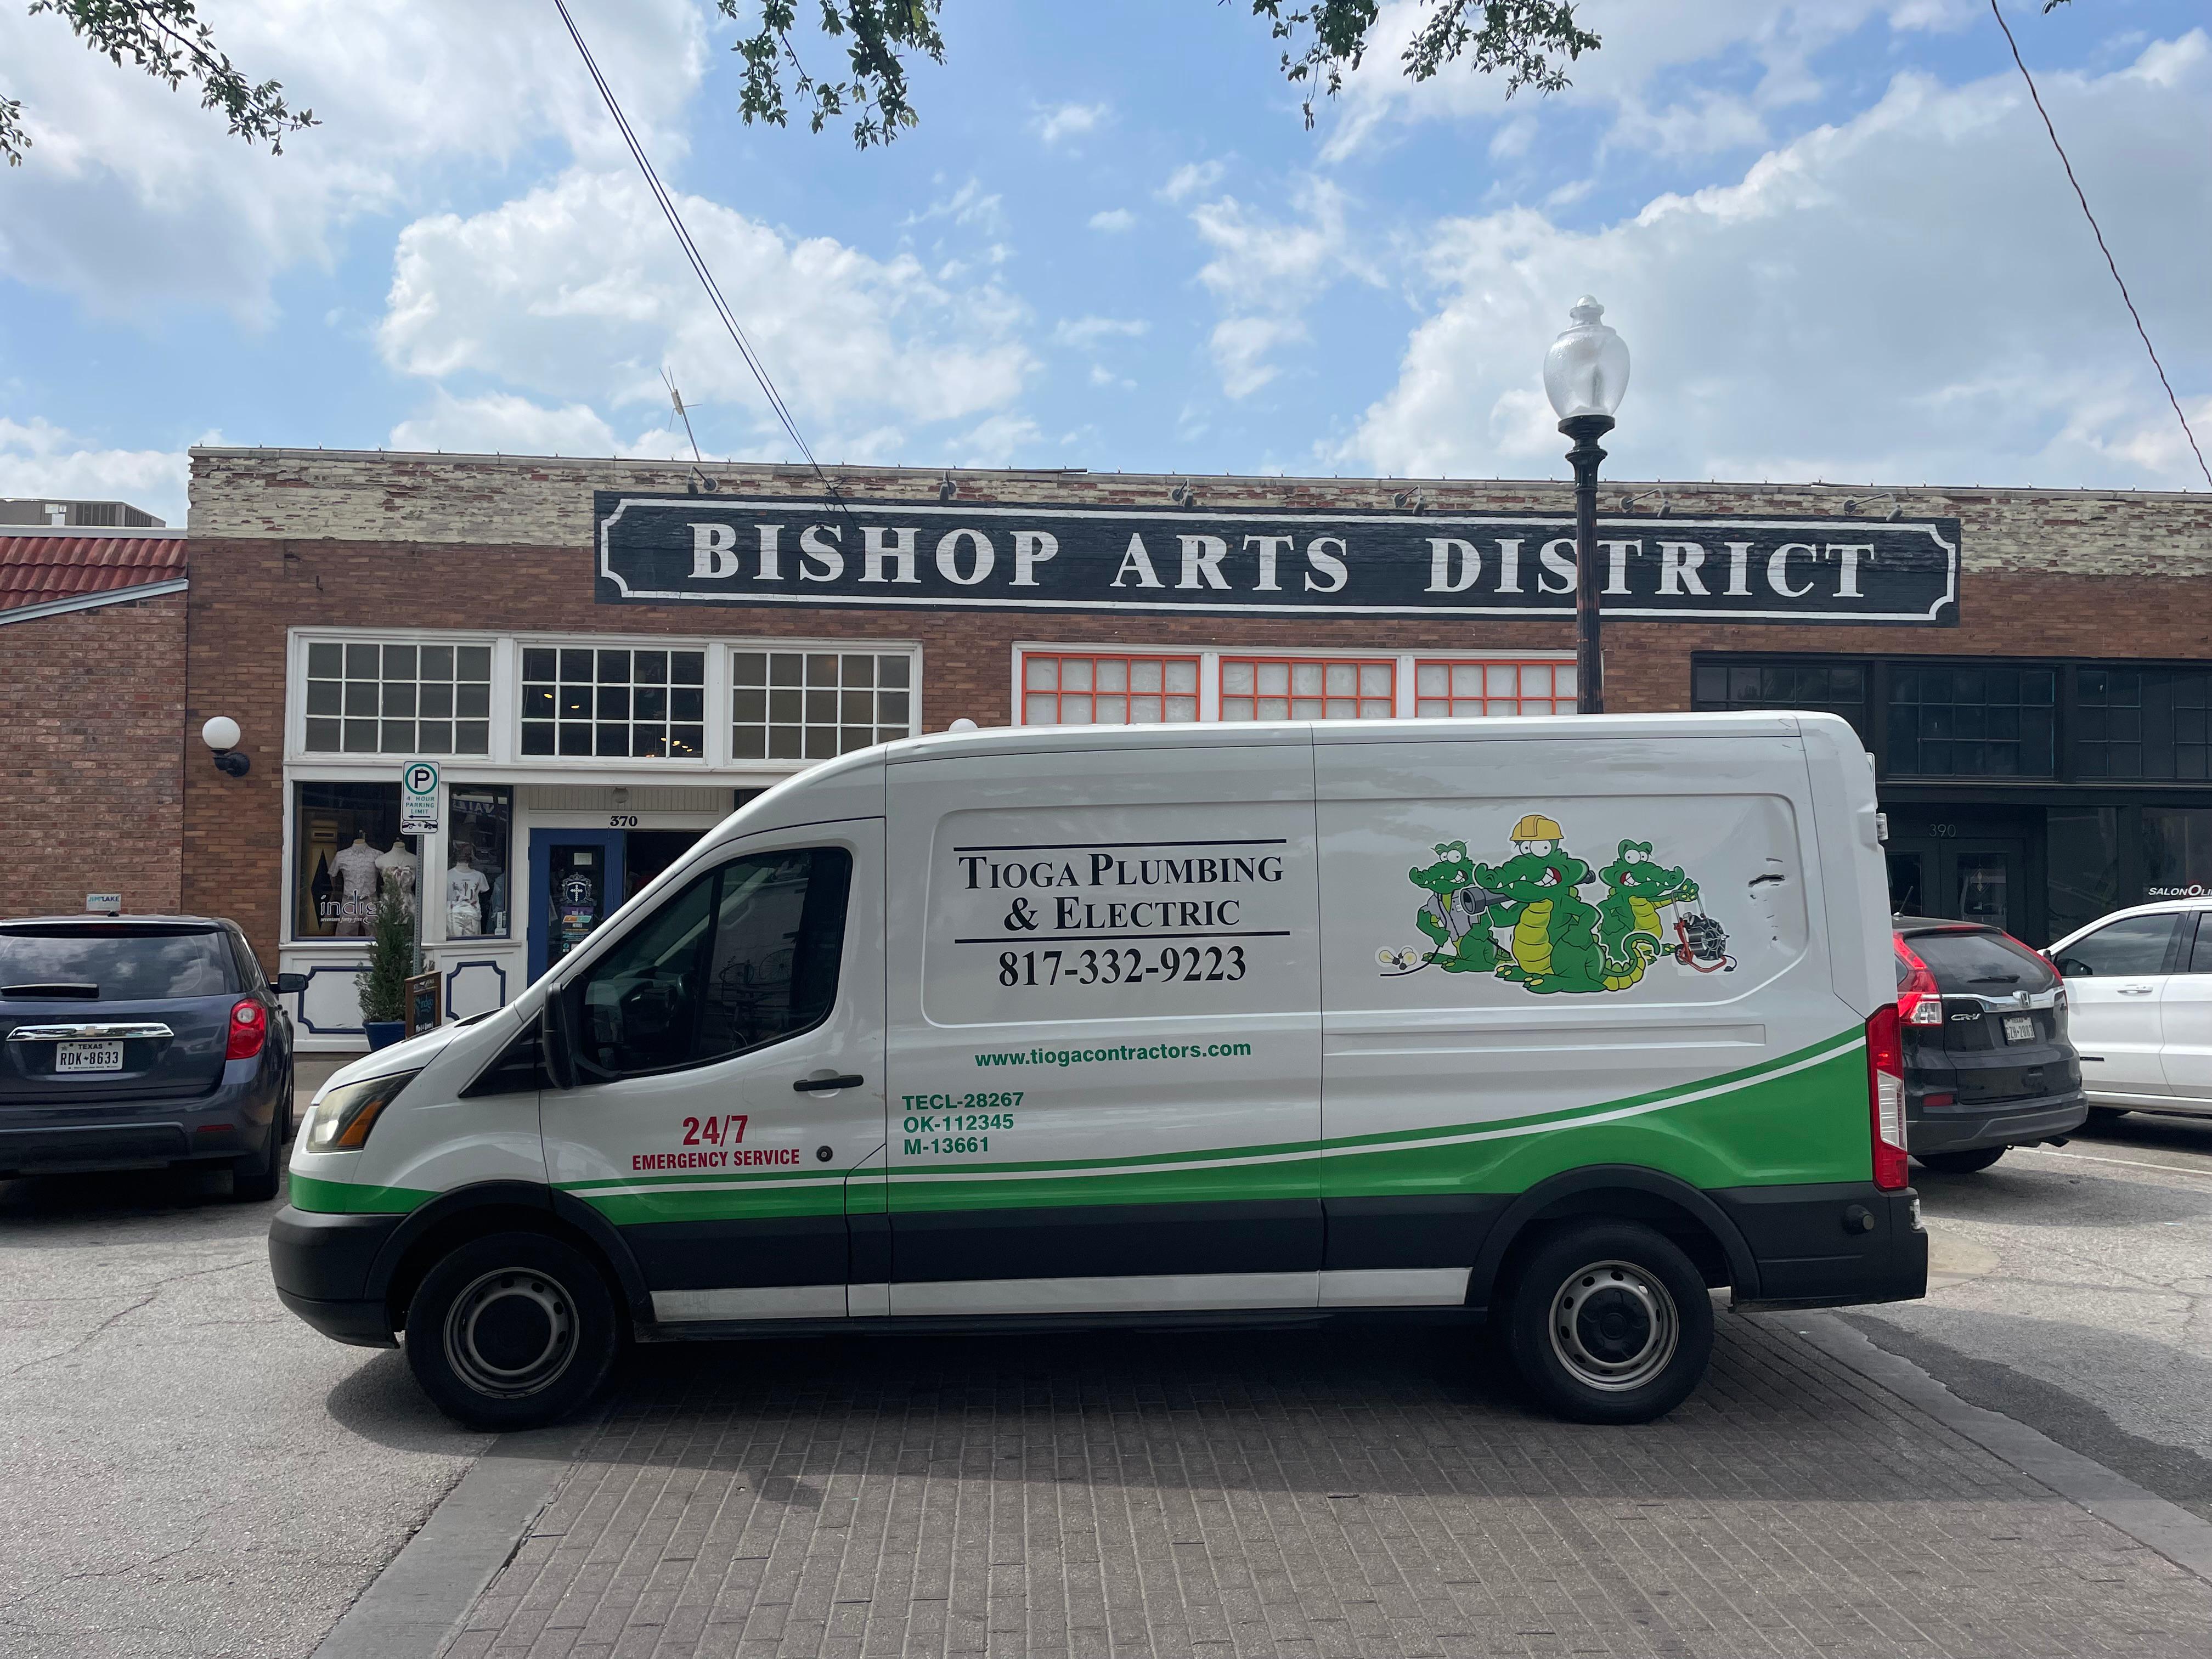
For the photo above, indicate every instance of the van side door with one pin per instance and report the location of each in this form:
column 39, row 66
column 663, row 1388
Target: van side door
column 1104, row 1027
column 729, row 1052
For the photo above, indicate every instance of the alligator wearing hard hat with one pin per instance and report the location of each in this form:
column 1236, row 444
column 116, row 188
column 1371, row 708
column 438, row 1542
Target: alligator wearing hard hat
column 1553, row 944
column 1628, row 926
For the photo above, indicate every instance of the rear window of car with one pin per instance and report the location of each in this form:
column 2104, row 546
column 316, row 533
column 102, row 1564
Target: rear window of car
column 1981, row 961
column 114, row 964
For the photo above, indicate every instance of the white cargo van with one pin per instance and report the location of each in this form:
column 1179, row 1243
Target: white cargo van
column 1564, row 1020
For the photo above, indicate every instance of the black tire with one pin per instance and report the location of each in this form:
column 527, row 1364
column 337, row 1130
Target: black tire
column 2104, row 1119
column 1609, row 1322
column 512, row 1331
column 1971, row 1163
column 255, row 1178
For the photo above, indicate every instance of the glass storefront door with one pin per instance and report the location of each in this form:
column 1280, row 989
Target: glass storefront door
column 1958, row 879
column 575, row 884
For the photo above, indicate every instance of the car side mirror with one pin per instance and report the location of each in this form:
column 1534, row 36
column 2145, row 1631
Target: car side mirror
column 2074, row 968
column 289, row 985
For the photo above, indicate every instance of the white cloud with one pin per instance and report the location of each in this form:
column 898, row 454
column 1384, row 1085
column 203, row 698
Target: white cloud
column 1068, row 121
column 38, row 457
column 577, row 292
column 501, row 423
column 1113, row 221
column 998, row 441
column 1264, row 272
column 1191, row 179
column 971, row 205
column 1910, row 295
column 133, row 195
column 1085, row 332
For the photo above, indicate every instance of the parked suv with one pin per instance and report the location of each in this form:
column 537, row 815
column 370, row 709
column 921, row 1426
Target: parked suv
column 1988, row 1064
column 2140, row 981
column 133, row 1043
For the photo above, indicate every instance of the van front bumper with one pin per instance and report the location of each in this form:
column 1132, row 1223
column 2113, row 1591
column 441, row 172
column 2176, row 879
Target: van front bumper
column 1830, row 1245
column 322, row 1264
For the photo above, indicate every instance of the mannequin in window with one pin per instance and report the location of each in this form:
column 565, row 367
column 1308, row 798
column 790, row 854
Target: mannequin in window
column 399, row 865
column 465, row 889
column 357, row 873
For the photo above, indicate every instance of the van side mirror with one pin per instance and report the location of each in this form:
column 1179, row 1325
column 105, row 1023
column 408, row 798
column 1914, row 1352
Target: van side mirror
column 553, row 1048
column 289, row 985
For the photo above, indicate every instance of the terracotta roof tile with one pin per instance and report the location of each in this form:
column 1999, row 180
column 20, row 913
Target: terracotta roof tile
column 41, row 568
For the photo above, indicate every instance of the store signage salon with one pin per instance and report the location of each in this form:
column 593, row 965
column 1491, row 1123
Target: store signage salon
column 660, row 550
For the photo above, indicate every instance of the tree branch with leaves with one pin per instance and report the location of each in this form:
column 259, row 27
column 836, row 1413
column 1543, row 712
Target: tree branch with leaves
column 168, row 41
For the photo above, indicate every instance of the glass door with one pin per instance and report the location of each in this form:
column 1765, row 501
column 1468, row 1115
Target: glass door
column 1982, row 882
column 576, row 883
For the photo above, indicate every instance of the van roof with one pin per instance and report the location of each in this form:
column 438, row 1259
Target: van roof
column 1040, row 740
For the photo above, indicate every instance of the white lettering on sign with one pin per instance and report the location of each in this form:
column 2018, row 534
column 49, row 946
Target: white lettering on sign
column 713, row 552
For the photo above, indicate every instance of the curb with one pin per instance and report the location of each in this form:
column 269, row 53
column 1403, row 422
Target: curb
column 425, row 1592
column 2151, row 1521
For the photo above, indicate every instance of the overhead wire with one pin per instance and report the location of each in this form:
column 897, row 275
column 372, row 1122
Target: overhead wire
column 2097, row 232
column 696, row 260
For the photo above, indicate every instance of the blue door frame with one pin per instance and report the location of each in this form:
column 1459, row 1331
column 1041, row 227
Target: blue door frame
column 543, row 921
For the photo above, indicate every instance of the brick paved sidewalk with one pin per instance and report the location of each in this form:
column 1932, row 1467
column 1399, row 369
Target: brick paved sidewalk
column 1334, row 1492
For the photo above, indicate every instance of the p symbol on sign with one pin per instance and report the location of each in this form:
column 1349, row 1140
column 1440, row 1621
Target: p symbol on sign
column 422, row 778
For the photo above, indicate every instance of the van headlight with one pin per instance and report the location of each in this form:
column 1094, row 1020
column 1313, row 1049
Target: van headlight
column 339, row 1122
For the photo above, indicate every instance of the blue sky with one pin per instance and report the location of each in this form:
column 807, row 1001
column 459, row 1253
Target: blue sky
column 1834, row 234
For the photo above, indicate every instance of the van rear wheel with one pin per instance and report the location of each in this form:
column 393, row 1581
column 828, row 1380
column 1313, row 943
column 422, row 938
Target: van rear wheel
column 512, row 1331
column 1609, row 1322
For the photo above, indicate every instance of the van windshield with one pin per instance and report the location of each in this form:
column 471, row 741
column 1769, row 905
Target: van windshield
column 1981, row 961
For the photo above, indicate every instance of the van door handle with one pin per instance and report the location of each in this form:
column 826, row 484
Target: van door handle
column 824, row 1082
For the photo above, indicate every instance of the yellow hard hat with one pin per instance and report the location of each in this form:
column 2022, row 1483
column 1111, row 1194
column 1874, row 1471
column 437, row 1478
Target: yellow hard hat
column 1536, row 827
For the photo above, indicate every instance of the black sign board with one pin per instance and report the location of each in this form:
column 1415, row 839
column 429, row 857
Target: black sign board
column 712, row 549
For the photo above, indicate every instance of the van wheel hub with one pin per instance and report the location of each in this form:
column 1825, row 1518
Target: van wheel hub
column 511, row 1333
column 1614, row 1326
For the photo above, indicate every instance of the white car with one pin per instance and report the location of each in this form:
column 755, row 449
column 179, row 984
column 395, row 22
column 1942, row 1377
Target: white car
column 2140, row 984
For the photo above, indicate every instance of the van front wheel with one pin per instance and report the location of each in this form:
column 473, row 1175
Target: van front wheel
column 512, row 1331
column 1609, row 1322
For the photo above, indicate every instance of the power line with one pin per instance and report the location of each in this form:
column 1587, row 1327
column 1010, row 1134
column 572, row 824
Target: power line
column 2109, row 261
column 692, row 253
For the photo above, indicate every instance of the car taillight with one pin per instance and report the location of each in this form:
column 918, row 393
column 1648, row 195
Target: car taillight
column 249, row 1029
column 1919, row 999
column 1886, row 1098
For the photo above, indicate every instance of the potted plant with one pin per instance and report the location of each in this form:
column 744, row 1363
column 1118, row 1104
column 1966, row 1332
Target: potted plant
column 383, row 986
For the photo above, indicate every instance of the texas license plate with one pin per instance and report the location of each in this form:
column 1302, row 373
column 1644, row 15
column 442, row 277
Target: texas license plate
column 2019, row 1028
column 88, row 1057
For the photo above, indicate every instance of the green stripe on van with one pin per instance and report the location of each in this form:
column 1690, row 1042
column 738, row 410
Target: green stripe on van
column 321, row 1197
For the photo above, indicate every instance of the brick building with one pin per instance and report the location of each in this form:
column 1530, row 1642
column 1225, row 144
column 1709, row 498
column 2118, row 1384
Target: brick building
column 92, row 675
column 602, row 656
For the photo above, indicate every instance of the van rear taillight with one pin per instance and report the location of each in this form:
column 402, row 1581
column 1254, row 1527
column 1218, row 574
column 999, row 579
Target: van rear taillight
column 1885, row 1044
column 249, row 1029
column 1919, row 999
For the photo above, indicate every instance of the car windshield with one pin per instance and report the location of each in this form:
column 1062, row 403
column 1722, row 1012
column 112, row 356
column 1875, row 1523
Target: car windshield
column 1981, row 961
column 113, row 964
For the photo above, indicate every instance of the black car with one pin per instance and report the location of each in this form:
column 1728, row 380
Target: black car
column 1987, row 1061
column 140, row 1041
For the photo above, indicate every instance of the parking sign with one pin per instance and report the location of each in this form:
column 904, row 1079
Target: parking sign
column 419, row 798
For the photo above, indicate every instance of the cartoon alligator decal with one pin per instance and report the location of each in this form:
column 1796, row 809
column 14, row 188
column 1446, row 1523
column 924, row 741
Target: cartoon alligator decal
column 1556, row 940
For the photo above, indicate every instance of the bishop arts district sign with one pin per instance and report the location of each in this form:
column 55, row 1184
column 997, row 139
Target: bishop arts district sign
column 708, row 549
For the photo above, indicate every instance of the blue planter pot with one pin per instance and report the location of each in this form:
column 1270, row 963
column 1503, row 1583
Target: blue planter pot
column 383, row 1033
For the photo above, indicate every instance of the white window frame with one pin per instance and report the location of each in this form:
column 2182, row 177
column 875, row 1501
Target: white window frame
column 1210, row 658
column 799, row 647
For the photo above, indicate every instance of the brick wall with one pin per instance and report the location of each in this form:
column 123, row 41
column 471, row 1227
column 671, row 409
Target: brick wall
column 91, row 762
column 282, row 539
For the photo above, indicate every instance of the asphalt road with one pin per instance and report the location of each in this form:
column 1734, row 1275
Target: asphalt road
column 189, row 1471
column 2081, row 1298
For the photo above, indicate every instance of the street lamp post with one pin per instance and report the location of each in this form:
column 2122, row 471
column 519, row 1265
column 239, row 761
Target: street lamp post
column 1585, row 373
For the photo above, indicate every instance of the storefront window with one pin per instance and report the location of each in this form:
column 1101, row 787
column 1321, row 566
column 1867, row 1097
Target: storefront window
column 346, row 846
column 1972, row 722
column 812, row 705
column 1309, row 689
column 1063, row 689
column 2082, row 855
column 2177, row 846
column 371, row 699
column 478, row 860
column 578, row 700
column 1836, row 687
column 2143, row 723
column 1470, row 690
